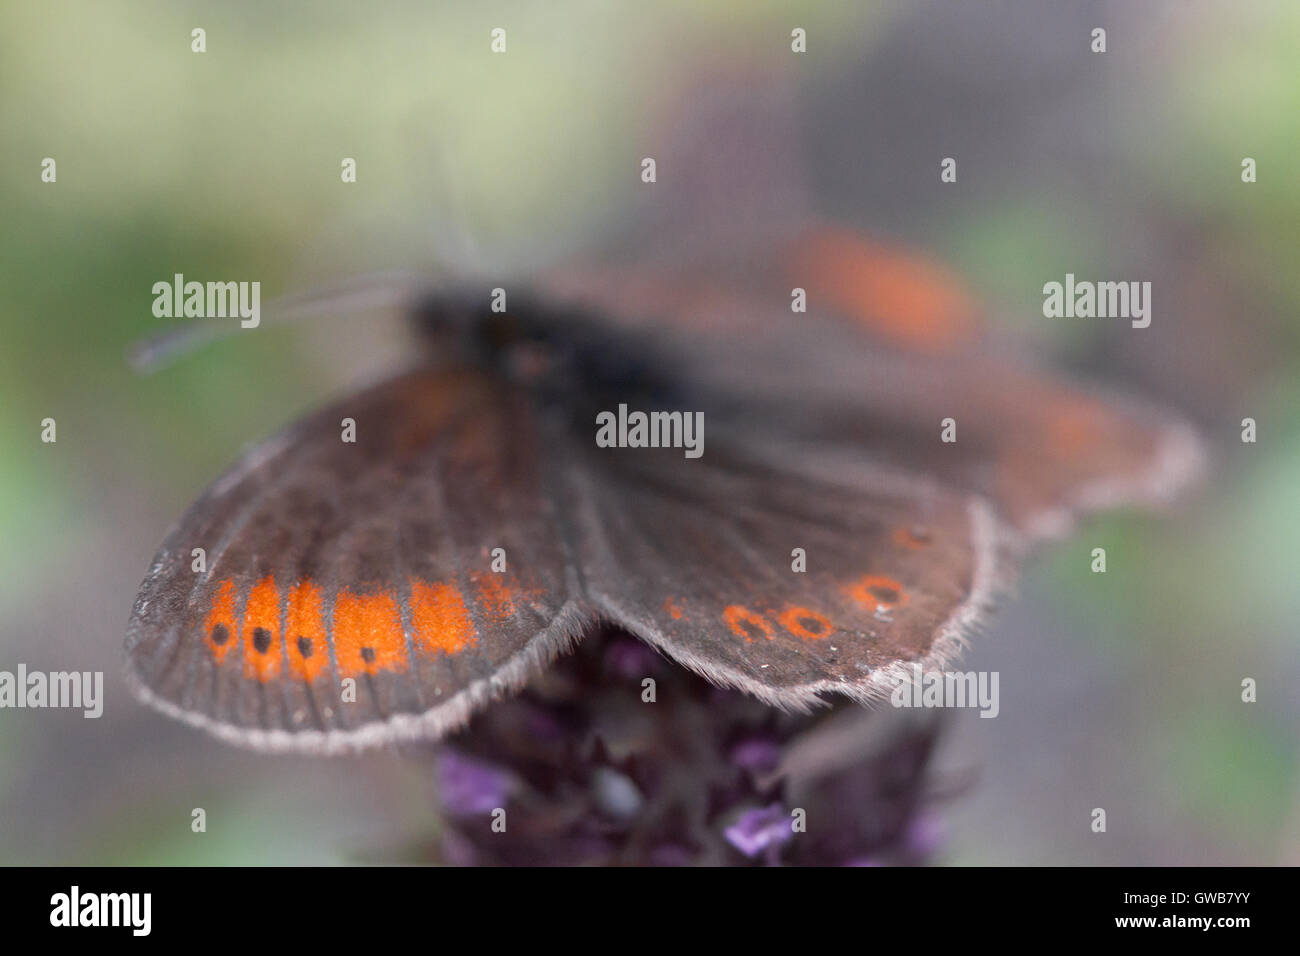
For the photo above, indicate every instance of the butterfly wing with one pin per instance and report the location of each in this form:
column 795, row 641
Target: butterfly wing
column 1041, row 446
column 347, row 594
column 891, row 347
column 787, row 579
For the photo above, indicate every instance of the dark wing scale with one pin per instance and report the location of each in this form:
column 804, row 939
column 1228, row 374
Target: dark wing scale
column 370, row 560
column 695, row 557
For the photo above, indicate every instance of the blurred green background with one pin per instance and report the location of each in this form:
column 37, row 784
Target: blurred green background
column 1119, row 690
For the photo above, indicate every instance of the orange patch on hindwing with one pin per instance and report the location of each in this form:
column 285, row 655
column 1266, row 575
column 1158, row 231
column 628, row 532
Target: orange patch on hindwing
column 368, row 633
column 877, row 591
column 805, row 623
column 745, row 623
column 499, row 597
column 219, row 626
column 261, row 632
column 305, row 637
column 439, row 619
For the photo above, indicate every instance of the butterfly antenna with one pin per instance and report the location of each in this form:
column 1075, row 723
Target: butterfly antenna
column 358, row 294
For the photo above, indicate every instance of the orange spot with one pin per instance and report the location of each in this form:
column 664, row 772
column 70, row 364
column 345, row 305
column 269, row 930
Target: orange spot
column 219, row 627
column 368, row 633
column 495, row 595
column 674, row 609
column 907, row 300
column 306, row 639
column 1075, row 427
column 877, row 591
column 914, row 537
column 262, row 631
column 805, row 623
column 745, row 623
column 439, row 618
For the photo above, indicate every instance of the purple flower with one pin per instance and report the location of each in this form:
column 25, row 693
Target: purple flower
column 699, row 775
column 670, row 854
column 469, row 786
column 757, row 830
column 924, row 835
column 756, row 754
column 630, row 658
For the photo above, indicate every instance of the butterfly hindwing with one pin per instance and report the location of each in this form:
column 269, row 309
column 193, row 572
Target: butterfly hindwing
column 785, row 582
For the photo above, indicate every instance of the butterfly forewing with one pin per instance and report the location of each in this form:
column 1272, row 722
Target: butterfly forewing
column 357, row 591
column 892, row 356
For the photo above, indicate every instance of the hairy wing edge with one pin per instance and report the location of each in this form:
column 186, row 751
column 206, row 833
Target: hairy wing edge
column 988, row 577
column 571, row 624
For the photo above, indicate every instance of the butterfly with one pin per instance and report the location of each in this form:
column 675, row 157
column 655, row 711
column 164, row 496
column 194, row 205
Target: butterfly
column 873, row 468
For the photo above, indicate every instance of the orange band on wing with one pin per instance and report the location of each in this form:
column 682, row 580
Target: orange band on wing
column 439, row 619
column 219, row 628
column 368, row 634
column 877, row 591
column 305, row 637
column 806, row 623
column 261, row 632
column 1076, row 425
column 906, row 300
column 745, row 623
column 496, row 596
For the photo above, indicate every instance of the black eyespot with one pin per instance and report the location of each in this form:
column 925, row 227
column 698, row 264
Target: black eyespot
column 219, row 634
column 368, row 655
column 304, row 646
column 261, row 640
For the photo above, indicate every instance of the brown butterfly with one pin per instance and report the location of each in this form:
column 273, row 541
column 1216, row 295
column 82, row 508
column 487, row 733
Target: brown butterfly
column 381, row 589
